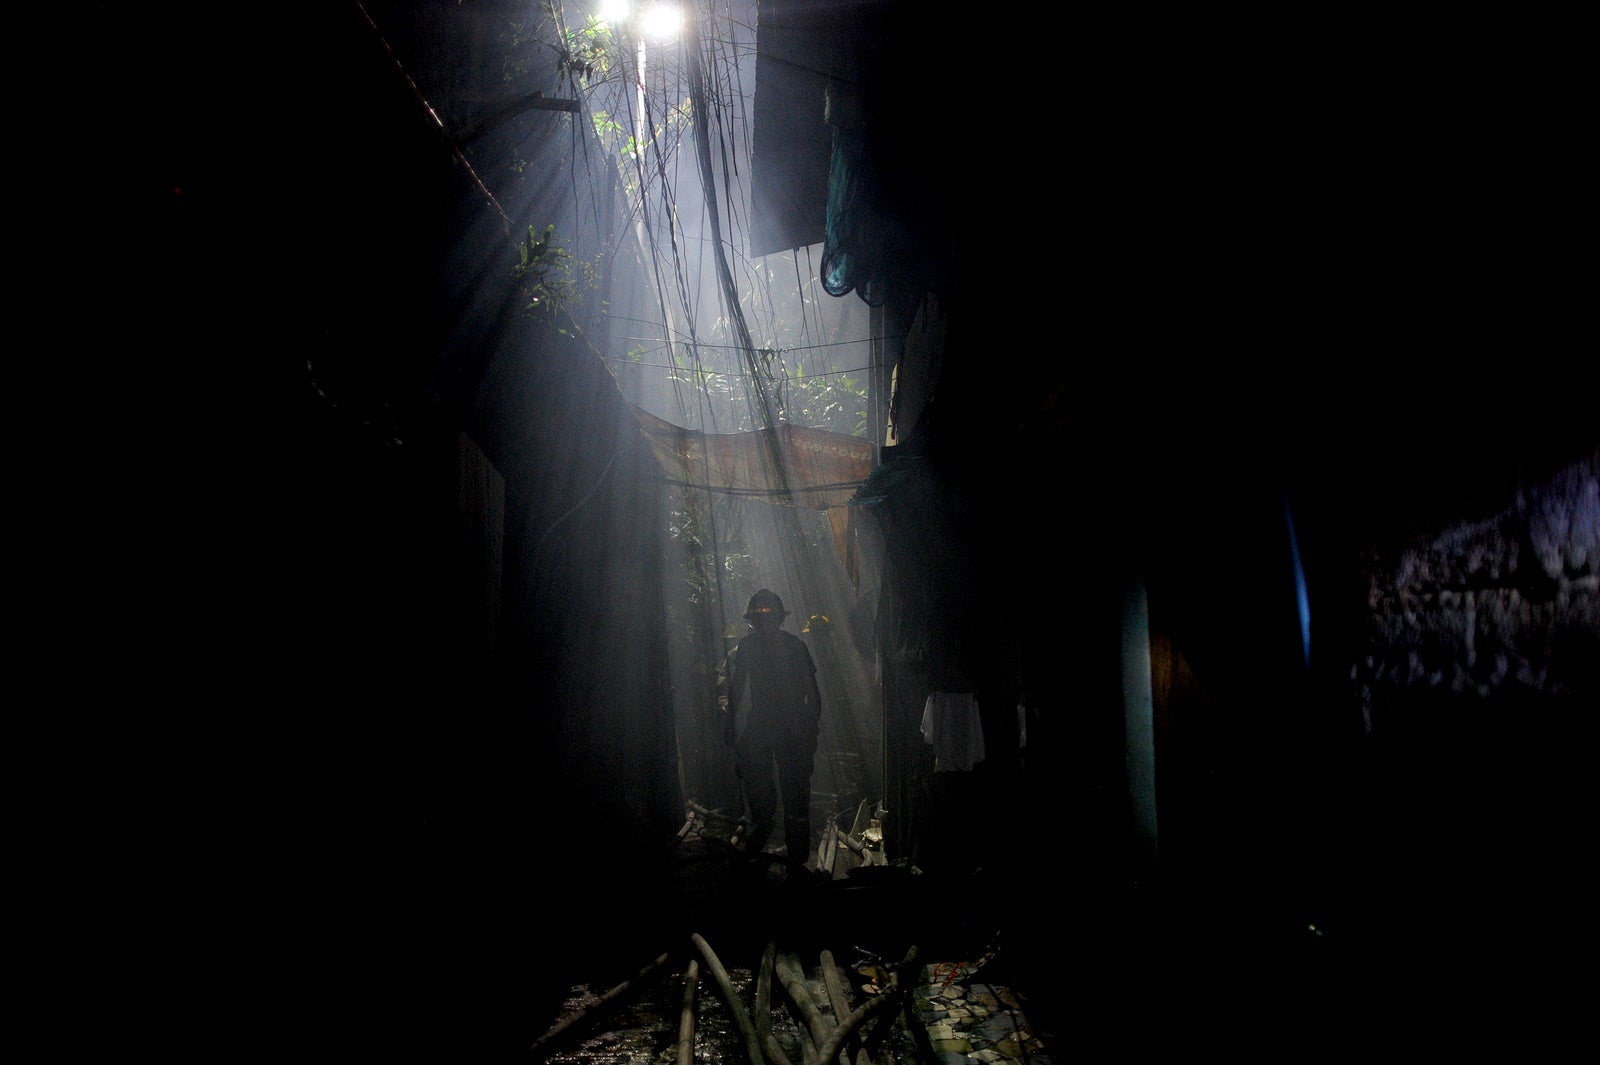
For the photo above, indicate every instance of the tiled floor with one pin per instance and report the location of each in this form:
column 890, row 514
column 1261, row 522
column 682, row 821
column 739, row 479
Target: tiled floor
column 967, row 1020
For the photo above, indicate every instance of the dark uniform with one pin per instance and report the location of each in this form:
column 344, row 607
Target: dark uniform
column 772, row 708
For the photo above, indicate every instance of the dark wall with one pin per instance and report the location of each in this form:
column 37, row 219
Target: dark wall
column 362, row 737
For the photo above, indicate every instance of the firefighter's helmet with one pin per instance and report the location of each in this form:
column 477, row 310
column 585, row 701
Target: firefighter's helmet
column 765, row 604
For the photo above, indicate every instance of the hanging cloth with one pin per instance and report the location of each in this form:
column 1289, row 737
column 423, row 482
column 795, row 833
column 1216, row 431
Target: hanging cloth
column 950, row 723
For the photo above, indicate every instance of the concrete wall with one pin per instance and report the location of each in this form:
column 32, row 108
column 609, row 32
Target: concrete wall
column 1503, row 607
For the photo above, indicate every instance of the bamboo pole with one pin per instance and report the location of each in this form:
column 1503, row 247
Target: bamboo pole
column 839, row 999
column 828, row 854
column 764, row 1005
column 542, row 1045
column 811, row 1019
column 829, row 1050
column 691, row 978
column 747, row 1032
column 849, row 841
column 901, row 984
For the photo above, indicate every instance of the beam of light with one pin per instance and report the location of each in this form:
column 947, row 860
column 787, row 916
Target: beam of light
column 1302, row 599
column 1139, row 712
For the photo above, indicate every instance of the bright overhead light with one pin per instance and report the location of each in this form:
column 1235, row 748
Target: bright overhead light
column 661, row 21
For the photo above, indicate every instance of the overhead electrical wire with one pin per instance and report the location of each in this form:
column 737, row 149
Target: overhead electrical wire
column 455, row 147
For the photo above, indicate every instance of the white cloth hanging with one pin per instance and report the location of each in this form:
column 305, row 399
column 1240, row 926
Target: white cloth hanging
column 951, row 724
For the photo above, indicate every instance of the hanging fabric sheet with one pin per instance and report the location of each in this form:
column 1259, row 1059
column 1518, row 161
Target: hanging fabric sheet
column 950, row 723
column 789, row 465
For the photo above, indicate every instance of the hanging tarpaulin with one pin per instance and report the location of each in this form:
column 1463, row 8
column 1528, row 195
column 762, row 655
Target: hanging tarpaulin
column 787, row 465
column 807, row 467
